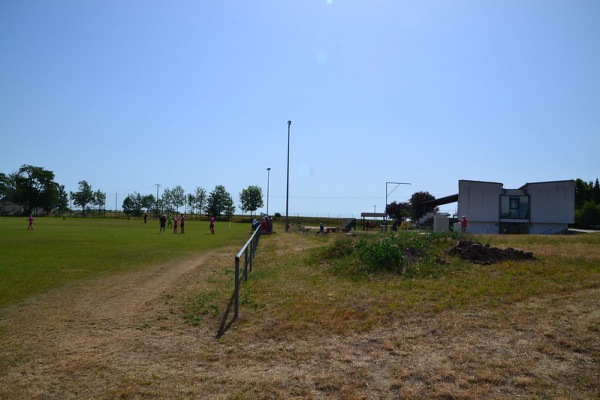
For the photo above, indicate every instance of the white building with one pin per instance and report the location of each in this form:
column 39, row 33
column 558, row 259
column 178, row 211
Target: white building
column 535, row 208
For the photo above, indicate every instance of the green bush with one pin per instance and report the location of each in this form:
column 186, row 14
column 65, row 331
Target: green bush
column 588, row 216
column 407, row 253
column 383, row 253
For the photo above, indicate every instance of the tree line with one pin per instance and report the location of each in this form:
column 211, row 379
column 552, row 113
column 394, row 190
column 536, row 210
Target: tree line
column 34, row 188
column 587, row 204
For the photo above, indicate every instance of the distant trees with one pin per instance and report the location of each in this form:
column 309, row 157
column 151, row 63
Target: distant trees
column 587, row 204
column 148, row 201
column 34, row 188
column 585, row 192
column 62, row 200
column 132, row 204
column 84, row 196
column 6, row 185
column 99, row 200
column 220, row 202
column 251, row 199
column 418, row 209
column 197, row 200
column 398, row 211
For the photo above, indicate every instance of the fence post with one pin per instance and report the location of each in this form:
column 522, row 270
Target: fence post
column 236, row 289
column 246, row 265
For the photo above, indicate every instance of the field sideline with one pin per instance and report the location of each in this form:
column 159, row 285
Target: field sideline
column 61, row 251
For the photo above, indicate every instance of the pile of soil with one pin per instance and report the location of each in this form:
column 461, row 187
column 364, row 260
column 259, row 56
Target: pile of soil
column 478, row 253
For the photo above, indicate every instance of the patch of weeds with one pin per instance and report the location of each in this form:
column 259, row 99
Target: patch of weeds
column 412, row 255
column 201, row 306
column 247, row 301
column 144, row 327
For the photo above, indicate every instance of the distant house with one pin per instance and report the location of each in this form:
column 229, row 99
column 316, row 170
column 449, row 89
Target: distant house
column 534, row 208
column 7, row 207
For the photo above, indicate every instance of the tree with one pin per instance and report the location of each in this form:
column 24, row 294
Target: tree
column 398, row 211
column 596, row 192
column 148, row 201
column 588, row 216
column 417, row 207
column 6, row 185
column 219, row 202
column 583, row 192
column 99, row 200
column 177, row 197
column 35, row 188
column 62, row 199
column 197, row 200
column 132, row 204
column 251, row 199
column 228, row 206
column 168, row 201
column 84, row 196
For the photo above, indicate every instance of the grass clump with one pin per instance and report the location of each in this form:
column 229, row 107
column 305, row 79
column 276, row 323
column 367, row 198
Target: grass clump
column 404, row 253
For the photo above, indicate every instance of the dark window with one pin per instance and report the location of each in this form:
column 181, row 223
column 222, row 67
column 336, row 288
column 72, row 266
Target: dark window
column 514, row 207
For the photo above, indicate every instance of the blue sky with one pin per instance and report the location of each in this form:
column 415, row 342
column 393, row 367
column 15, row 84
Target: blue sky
column 129, row 94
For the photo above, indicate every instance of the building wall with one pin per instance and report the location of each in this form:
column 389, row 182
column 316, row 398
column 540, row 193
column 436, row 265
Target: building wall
column 552, row 205
column 480, row 203
column 552, row 202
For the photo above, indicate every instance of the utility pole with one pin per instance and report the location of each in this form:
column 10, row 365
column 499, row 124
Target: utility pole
column 287, row 192
column 158, row 185
column 268, row 178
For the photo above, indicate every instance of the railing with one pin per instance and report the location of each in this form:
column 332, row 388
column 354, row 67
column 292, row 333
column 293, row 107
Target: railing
column 246, row 254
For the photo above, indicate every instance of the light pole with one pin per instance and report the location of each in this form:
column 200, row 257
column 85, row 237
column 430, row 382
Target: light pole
column 386, row 196
column 157, row 187
column 268, row 177
column 287, row 191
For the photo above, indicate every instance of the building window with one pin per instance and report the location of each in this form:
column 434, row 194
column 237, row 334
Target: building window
column 514, row 207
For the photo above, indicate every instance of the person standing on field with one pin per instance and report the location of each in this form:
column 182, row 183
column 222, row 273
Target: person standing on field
column 174, row 223
column 182, row 223
column 30, row 219
column 163, row 223
column 463, row 224
column 212, row 224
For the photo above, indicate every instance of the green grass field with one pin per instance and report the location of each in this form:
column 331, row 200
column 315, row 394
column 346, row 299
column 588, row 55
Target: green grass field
column 59, row 252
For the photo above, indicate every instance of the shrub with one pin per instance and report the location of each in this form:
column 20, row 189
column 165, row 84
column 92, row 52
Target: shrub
column 383, row 253
column 407, row 253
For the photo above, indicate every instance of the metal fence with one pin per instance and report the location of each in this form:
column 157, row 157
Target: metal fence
column 243, row 266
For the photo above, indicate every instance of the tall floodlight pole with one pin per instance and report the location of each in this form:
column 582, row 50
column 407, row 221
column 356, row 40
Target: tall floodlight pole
column 386, row 195
column 287, row 191
column 268, row 177
column 157, row 187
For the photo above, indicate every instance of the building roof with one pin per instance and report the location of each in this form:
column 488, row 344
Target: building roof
column 372, row 215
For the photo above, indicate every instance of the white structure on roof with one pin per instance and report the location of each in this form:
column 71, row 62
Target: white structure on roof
column 536, row 208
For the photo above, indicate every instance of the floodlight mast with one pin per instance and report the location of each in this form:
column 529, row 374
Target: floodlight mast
column 268, row 178
column 388, row 193
column 287, row 192
column 158, row 185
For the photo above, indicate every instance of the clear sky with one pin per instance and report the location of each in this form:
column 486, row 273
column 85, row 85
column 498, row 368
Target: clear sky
column 129, row 94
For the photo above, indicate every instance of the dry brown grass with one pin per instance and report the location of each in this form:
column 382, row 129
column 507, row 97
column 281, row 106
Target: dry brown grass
column 306, row 333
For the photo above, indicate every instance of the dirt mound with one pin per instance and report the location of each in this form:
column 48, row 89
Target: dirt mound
column 478, row 253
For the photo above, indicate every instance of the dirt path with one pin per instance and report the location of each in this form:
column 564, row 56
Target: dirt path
column 84, row 335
